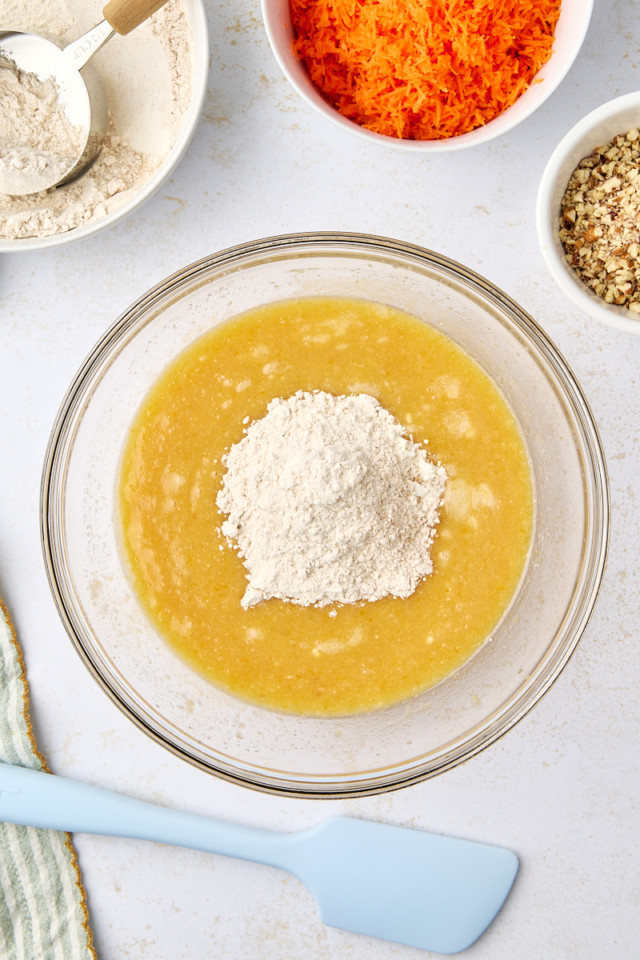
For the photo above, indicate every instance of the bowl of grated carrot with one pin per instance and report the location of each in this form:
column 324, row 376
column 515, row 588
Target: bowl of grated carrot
column 429, row 76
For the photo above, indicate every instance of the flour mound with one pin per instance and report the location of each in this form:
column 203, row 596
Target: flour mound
column 328, row 501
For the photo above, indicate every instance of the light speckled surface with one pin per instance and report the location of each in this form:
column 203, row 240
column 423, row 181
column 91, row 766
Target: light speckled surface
column 562, row 788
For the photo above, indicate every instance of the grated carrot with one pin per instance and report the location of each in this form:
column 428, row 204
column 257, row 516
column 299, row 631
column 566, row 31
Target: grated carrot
column 423, row 69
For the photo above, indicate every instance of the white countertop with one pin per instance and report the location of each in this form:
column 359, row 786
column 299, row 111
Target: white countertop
column 561, row 788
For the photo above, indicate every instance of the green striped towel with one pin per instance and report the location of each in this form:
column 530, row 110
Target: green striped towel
column 43, row 911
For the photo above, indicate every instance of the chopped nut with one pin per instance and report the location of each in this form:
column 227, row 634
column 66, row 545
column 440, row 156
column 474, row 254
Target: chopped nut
column 599, row 224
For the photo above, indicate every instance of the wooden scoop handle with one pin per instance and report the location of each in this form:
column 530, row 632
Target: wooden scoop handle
column 125, row 15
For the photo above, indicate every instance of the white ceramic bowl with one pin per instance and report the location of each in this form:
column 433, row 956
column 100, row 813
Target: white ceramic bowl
column 199, row 75
column 569, row 36
column 597, row 128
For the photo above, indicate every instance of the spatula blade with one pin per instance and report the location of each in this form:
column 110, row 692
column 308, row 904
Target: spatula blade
column 409, row 886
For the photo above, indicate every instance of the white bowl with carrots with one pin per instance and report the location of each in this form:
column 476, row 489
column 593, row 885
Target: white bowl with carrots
column 445, row 78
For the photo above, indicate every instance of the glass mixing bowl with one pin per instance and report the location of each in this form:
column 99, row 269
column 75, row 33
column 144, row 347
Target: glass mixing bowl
column 308, row 756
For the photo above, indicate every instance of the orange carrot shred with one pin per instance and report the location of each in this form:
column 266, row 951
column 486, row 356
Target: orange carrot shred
column 423, row 69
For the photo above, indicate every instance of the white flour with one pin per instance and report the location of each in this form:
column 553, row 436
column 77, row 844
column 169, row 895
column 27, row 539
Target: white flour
column 36, row 136
column 147, row 77
column 329, row 501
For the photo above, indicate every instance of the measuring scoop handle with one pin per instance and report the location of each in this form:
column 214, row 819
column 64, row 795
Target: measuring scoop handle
column 125, row 15
column 32, row 798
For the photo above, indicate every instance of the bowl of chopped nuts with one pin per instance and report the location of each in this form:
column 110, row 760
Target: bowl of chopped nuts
column 588, row 213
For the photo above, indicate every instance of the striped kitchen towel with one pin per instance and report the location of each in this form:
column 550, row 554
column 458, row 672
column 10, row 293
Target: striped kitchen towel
column 43, row 910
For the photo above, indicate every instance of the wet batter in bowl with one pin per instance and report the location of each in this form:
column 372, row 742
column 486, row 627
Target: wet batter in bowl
column 340, row 658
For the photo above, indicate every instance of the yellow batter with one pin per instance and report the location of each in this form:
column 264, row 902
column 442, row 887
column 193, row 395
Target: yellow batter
column 341, row 659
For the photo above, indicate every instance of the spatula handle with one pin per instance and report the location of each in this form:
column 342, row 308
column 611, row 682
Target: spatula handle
column 35, row 799
column 125, row 15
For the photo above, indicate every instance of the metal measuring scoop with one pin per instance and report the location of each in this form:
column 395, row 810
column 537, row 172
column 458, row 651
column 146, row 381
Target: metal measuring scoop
column 80, row 94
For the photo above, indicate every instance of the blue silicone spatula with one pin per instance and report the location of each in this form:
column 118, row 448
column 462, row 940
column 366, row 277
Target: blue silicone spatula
column 396, row 883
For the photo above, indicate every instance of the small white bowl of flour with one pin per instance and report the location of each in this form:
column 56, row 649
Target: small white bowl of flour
column 155, row 79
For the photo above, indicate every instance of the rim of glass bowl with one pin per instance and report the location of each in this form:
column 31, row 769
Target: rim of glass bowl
column 356, row 245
